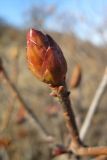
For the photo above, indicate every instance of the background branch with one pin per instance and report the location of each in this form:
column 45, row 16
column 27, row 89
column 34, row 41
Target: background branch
column 30, row 114
column 93, row 106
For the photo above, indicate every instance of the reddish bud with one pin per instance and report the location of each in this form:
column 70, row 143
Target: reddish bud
column 58, row 150
column 76, row 76
column 45, row 58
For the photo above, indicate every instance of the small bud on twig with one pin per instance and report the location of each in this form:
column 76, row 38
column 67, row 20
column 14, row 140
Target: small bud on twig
column 76, row 77
column 45, row 58
column 58, row 150
column 47, row 62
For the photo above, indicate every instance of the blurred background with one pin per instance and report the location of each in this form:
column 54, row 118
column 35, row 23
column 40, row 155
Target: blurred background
column 80, row 29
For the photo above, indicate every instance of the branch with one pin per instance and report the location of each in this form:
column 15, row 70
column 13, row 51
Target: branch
column 76, row 146
column 93, row 106
column 33, row 117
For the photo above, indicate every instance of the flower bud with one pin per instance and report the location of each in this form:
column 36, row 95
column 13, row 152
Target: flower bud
column 76, row 76
column 45, row 58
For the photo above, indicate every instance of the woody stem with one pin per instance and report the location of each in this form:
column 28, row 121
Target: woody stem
column 63, row 97
column 76, row 146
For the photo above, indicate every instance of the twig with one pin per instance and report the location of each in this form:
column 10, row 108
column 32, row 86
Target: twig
column 76, row 146
column 29, row 111
column 93, row 106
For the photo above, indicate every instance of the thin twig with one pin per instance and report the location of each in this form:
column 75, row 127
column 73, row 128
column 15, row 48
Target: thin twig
column 22, row 102
column 93, row 106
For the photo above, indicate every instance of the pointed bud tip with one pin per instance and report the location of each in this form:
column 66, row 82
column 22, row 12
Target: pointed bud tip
column 35, row 36
column 30, row 34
